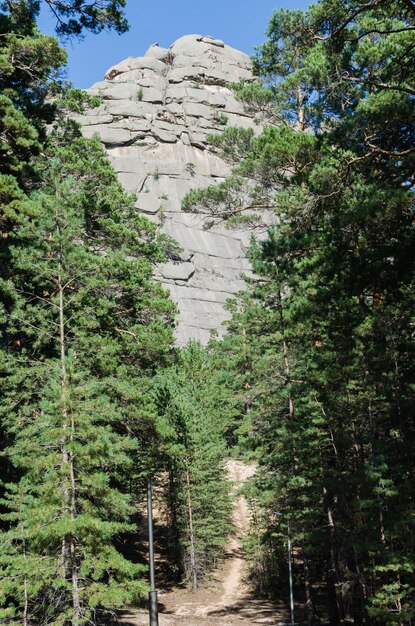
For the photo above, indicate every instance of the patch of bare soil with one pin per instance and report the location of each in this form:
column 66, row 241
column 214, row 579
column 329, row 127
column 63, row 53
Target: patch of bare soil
column 225, row 599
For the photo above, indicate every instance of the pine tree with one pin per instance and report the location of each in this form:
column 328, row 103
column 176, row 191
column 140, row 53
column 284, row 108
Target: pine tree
column 331, row 401
column 59, row 563
column 83, row 325
column 31, row 79
column 194, row 413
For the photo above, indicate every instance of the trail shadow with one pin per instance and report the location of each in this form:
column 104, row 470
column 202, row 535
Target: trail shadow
column 255, row 610
column 233, row 553
column 121, row 615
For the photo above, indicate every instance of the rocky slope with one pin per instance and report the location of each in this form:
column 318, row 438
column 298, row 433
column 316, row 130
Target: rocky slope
column 156, row 113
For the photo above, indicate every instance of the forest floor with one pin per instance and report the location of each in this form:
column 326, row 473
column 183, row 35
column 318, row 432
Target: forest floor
column 226, row 598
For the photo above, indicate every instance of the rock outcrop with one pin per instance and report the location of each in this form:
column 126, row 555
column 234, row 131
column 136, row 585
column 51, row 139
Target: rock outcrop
column 156, row 113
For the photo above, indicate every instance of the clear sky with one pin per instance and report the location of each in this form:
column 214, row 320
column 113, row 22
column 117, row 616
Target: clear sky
column 240, row 23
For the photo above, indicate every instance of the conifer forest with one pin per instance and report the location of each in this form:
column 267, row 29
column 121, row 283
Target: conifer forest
column 312, row 380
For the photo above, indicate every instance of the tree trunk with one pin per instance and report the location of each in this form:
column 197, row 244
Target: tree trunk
column 332, row 599
column 73, row 542
column 173, row 534
column 359, row 590
column 308, row 600
column 285, row 355
column 64, row 409
column 75, row 588
column 193, row 572
column 300, row 108
column 26, row 597
column 69, row 496
column 334, row 576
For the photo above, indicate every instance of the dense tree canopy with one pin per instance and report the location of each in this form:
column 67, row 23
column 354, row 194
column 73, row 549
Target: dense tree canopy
column 83, row 327
column 195, row 410
column 329, row 322
column 82, row 330
column 86, row 356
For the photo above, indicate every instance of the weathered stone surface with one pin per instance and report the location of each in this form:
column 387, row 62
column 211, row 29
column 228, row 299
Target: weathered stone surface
column 175, row 93
column 190, row 45
column 156, row 113
column 129, row 181
column 99, row 86
column 120, row 91
column 164, row 135
column 125, row 108
column 135, row 63
column 205, row 241
column 182, row 60
column 150, row 94
column 198, row 110
column 157, row 52
column 177, row 271
column 213, row 42
column 199, row 74
column 174, row 109
column 186, row 292
column 169, row 126
column 148, row 202
column 90, row 120
column 157, row 82
column 110, row 135
column 140, row 128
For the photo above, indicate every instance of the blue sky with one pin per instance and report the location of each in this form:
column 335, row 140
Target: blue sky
column 240, row 23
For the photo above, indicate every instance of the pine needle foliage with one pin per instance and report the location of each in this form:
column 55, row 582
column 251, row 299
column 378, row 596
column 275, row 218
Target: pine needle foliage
column 82, row 330
column 328, row 323
column 83, row 326
column 194, row 412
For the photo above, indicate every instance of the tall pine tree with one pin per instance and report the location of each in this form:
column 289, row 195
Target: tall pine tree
column 195, row 410
column 83, row 325
column 331, row 398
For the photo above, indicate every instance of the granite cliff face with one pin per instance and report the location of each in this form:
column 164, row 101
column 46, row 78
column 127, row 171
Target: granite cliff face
column 156, row 113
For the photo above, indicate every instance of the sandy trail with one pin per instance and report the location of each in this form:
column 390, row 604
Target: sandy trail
column 228, row 600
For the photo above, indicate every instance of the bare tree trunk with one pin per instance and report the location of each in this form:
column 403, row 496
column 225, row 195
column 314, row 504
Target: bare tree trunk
column 75, row 588
column 334, row 563
column 285, row 355
column 193, row 572
column 74, row 562
column 64, row 409
column 173, row 533
column 382, row 526
column 332, row 600
column 308, row 600
column 300, row 107
column 26, row 596
column 69, row 498
column 398, row 601
column 360, row 591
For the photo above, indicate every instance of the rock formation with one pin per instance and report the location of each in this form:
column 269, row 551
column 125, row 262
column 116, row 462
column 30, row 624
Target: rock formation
column 156, row 113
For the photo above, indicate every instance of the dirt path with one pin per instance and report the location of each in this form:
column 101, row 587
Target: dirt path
column 225, row 599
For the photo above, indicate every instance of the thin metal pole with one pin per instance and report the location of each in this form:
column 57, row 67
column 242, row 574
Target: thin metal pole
column 290, row 573
column 152, row 596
